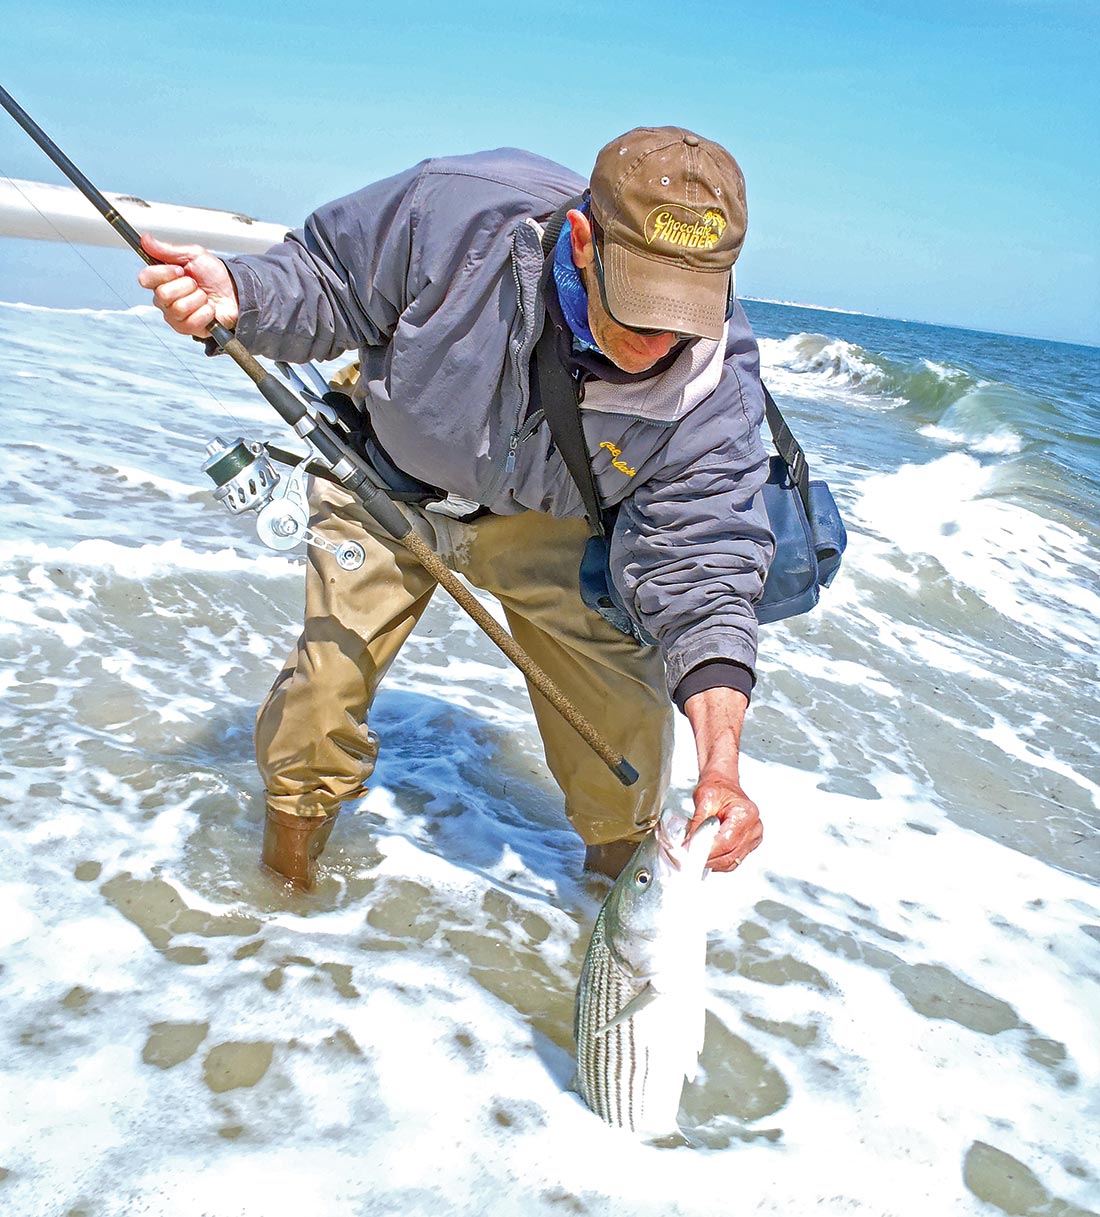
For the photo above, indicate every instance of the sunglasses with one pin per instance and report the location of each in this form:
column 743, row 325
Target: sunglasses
column 597, row 238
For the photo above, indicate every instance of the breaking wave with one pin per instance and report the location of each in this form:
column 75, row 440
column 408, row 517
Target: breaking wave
column 940, row 400
column 835, row 363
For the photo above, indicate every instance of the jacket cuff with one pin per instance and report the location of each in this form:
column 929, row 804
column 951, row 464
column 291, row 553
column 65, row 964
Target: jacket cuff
column 248, row 300
column 714, row 674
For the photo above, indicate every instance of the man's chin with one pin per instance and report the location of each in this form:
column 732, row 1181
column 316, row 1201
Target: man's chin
column 632, row 361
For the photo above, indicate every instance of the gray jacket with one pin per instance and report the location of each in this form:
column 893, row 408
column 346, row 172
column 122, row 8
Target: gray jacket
column 433, row 276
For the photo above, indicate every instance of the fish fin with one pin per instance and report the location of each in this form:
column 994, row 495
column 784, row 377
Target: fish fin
column 644, row 997
column 695, row 1042
column 673, row 1138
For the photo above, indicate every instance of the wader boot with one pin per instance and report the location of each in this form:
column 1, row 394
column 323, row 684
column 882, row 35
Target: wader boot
column 292, row 844
column 610, row 858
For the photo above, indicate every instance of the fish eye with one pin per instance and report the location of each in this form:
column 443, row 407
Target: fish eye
column 642, row 877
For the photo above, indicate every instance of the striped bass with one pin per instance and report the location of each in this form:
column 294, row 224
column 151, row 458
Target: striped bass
column 640, row 1009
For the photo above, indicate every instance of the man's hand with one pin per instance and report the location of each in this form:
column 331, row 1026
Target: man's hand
column 193, row 291
column 716, row 717
column 740, row 830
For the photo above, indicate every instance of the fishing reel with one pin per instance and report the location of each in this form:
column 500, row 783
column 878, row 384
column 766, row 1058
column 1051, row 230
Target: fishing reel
column 246, row 480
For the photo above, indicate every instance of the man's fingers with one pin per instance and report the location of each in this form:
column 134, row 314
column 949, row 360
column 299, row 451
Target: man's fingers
column 200, row 321
column 736, row 838
column 186, row 307
column 181, row 311
column 739, row 831
column 730, row 851
column 154, row 276
column 174, row 289
column 193, row 289
column 179, row 255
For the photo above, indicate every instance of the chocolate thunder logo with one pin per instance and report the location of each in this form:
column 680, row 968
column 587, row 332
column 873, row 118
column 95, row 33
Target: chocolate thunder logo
column 683, row 227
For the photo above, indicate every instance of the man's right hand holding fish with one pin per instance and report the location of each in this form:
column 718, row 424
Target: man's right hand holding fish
column 716, row 717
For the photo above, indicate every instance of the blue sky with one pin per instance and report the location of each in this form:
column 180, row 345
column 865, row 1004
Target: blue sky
column 904, row 159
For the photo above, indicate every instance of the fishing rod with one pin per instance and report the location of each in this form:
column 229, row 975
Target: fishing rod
column 247, row 481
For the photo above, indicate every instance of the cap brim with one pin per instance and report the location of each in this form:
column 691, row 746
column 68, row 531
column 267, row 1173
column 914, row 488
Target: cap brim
column 659, row 295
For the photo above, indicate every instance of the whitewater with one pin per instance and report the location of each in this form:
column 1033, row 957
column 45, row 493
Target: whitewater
column 903, row 981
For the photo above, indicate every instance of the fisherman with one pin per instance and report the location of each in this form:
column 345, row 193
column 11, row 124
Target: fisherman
column 436, row 277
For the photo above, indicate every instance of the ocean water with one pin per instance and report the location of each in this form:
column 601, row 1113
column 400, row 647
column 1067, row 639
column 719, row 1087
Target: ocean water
column 904, row 980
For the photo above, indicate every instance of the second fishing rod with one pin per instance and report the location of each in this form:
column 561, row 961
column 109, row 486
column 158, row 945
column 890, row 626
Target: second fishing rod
column 241, row 485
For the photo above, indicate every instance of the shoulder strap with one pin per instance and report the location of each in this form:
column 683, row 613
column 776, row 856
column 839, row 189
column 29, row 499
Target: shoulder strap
column 557, row 389
column 788, row 448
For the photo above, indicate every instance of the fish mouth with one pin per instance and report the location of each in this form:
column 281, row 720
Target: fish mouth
column 674, row 850
column 669, row 849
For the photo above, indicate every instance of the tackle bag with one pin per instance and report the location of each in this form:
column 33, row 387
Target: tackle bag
column 809, row 542
column 809, row 534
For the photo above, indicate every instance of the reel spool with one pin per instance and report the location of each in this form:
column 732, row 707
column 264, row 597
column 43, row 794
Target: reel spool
column 242, row 472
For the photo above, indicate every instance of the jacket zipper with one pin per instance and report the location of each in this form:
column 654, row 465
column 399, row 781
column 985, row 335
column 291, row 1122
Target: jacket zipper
column 518, row 437
column 519, row 434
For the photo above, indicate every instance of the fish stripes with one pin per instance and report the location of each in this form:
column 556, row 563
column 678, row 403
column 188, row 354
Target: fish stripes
column 639, row 1015
column 612, row 1068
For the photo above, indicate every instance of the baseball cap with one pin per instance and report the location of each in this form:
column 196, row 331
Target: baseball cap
column 671, row 206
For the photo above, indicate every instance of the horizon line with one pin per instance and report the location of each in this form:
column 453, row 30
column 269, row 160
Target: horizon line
column 944, row 325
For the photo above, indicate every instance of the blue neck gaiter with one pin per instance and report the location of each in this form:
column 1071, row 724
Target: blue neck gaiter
column 571, row 294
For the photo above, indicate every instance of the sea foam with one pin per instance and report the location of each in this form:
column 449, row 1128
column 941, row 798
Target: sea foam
column 904, row 978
